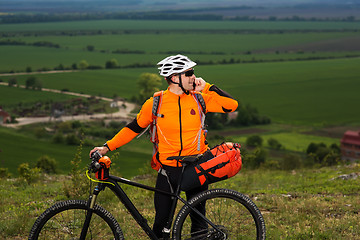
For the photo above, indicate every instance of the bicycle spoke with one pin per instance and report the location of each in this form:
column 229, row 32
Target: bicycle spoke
column 230, row 213
column 68, row 224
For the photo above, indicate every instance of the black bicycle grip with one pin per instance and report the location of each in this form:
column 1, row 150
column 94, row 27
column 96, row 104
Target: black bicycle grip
column 96, row 155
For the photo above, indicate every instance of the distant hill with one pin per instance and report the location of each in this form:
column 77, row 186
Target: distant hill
column 258, row 8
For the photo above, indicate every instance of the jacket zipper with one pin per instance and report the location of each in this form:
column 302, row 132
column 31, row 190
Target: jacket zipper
column 181, row 142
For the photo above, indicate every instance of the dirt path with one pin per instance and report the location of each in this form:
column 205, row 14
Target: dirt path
column 122, row 113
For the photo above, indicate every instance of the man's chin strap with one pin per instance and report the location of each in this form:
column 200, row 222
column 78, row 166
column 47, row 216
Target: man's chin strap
column 180, row 85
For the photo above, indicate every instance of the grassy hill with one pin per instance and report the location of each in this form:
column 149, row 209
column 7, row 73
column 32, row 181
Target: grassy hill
column 23, row 147
column 301, row 204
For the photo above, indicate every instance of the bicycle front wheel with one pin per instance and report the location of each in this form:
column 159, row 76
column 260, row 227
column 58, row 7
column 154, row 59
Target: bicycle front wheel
column 233, row 215
column 65, row 220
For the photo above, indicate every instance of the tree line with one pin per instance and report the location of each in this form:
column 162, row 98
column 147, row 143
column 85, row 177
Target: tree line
column 161, row 15
column 22, row 43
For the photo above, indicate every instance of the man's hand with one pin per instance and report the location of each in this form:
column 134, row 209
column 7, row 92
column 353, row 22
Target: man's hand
column 199, row 84
column 102, row 150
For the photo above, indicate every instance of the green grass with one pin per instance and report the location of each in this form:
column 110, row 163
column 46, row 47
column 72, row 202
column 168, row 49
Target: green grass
column 292, row 141
column 155, row 46
column 194, row 42
column 306, row 92
column 301, row 204
column 175, row 25
column 18, row 147
column 11, row 96
column 99, row 83
column 318, row 93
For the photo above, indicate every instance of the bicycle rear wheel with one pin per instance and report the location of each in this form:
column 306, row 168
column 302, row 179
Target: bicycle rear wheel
column 65, row 220
column 234, row 214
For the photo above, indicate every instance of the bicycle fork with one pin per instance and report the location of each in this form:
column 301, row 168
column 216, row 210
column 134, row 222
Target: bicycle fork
column 91, row 205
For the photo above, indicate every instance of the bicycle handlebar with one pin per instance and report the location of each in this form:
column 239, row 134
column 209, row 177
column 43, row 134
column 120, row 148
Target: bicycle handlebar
column 94, row 166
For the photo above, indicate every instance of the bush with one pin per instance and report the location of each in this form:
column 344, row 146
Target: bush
column 58, row 138
column 76, row 124
column 291, row 162
column 254, row 141
column 271, row 164
column 65, row 127
column 321, row 154
column 30, row 175
column 72, row 139
column 46, row 164
column 116, row 125
column 78, row 185
column 274, row 144
column 4, row 173
column 40, row 132
column 255, row 158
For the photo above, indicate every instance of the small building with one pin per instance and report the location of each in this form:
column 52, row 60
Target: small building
column 4, row 116
column 350, row 146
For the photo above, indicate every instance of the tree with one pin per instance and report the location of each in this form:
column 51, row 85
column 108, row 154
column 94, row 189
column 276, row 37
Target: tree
column 33, row 83
column 148, row 84
column 113, row 63
column 320, row 153
column 30, row 82
column 83, row 64
column 12, row 82
column 74, row 66
column 90, row 48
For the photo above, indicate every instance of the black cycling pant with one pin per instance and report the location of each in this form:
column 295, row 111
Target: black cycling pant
column 163, row 202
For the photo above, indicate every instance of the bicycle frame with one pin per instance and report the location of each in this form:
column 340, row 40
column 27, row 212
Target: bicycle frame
column 112, row 183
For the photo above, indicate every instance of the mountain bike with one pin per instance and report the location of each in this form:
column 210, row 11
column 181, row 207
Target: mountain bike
column 229, row 214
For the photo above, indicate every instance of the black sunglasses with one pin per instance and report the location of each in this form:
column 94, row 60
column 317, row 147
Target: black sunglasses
column 189, row 73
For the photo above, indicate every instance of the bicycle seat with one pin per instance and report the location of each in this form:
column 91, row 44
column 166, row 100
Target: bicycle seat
column 186, row 159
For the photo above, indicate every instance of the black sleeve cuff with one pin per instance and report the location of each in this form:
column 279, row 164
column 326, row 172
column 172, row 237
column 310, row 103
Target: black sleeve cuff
column 134, row 126
column 220, row 92
column 105, row 145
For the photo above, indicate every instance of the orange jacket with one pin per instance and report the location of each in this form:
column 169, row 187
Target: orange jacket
column 178, row 128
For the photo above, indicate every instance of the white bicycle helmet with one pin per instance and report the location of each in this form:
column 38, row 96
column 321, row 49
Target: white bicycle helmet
column 174, row 64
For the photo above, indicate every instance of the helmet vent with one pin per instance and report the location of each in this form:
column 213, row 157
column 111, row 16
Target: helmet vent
column 174, row 64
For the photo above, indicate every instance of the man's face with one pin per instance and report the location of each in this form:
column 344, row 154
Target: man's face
column 188, row 78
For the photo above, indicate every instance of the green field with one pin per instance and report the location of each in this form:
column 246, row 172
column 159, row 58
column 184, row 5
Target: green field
column 290, row 78
column 18, row 147
column 322, row 92
column 303, row 75
column 176, row 25
column 11, row 96
column 202, row 40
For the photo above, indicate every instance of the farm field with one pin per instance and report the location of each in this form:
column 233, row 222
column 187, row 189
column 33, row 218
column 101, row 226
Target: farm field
column 176, row 25
column 18, row 147
column 145, row 42
column 303, row 75
column 296, row 73
column 284, row 91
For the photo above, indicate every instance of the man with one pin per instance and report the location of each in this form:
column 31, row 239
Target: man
column 179, row 128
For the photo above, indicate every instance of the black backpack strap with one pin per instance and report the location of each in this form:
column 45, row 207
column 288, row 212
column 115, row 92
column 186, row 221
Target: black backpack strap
column 211, row 170
column 156, row 107
column 201, row 100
